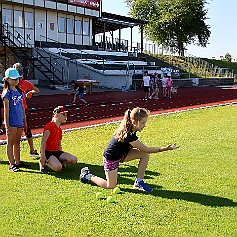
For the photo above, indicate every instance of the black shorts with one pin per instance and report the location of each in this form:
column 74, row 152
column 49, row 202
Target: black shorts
column 154, row 87
column 146, row 88
column 159, row 84
column 57, row 154
column 28, row 132
column 1, row 103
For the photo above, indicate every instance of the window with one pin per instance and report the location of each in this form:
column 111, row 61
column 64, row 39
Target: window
column 63, row 1
column 86, row 27
column 70, row 26
column 29, row 20
column 7, row 16
column 18, row 19
column 78, row 27
column 62, row 24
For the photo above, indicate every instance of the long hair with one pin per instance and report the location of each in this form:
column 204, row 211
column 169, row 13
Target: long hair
column 6, row 86
column 127, row 124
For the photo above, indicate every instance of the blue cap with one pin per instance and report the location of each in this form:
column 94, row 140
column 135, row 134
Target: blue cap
column 11, row 73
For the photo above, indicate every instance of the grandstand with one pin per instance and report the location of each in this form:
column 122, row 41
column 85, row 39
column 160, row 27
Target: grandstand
column 59, row 40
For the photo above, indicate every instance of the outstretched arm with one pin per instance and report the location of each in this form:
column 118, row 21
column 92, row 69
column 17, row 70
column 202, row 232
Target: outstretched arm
column 73, row 90
column 139, row 145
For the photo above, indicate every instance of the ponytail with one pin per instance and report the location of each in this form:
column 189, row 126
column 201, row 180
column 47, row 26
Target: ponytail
column 127, row 125
column 127, row 118
column 6, row 85
column 124, row 127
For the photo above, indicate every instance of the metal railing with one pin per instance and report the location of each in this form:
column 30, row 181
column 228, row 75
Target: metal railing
column 126, row 45
column 17, row 41
column 64, row 50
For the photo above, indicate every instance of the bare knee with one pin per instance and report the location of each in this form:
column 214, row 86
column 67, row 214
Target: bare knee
column 111, row 186
column 145, row 155
column 74, row 160
column 57, row 168
column 70, row 159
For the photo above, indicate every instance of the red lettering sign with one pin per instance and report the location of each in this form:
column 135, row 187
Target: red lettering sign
column 93, row 4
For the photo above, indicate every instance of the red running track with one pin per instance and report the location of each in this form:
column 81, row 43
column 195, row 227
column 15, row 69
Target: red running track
column 110, row 106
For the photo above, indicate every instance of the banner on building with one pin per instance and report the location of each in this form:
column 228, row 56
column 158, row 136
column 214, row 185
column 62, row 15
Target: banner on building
column 93, row 4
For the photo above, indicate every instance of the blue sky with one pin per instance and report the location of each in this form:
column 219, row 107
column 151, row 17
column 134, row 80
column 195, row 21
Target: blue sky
column 222, row 20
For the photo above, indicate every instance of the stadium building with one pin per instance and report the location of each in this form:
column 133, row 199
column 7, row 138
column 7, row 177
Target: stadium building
column 60, row 40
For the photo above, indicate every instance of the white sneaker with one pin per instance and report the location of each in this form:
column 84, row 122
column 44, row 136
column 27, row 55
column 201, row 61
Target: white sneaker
column 85, row 172
column 42, row 168
column 140, row 185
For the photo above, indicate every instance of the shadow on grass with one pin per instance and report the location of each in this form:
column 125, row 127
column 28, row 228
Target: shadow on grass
column 70, row 172
column 127, row 173
column 73, row 171
column 204, row 199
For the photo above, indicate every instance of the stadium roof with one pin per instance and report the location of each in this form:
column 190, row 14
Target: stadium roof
column 112, row 22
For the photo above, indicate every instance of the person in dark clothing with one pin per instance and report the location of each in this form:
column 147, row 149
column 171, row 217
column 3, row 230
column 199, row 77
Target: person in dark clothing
column 123, row 147
column 79, row 92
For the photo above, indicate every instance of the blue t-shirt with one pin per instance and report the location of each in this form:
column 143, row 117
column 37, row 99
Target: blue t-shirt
column 16, row 114
column 115, row 150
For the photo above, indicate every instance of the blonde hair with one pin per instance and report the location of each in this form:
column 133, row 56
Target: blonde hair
column 127, row 124
column 17, row 66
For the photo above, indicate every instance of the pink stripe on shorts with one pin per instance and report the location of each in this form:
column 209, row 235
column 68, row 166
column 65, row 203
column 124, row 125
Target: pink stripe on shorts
column 110, row 165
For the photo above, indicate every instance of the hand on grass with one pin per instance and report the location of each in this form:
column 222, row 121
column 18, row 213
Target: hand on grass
column 43, row 160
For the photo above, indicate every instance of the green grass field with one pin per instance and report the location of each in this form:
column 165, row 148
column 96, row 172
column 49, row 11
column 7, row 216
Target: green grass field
column 195, row 186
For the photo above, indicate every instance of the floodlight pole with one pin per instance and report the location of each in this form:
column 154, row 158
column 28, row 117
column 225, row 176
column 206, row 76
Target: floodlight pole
column 141, row 38
column 104, row 37
column 119, row 38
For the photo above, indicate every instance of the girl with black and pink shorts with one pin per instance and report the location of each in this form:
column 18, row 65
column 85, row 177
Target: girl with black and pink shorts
column 123, row 147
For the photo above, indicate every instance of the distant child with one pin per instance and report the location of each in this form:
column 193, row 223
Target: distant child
column 123, row 147
column 169, row 83
column 52, row 154
column 155, row 86
column 28, row 89
column 79, row 92
column 164, row 79
column 13, row 117
column 146, row 85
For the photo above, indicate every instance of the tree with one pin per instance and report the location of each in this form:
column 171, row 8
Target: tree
column 172, row 23
column 228, row 57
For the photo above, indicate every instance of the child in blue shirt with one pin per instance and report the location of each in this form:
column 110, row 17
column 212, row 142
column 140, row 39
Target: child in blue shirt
column 14, row 117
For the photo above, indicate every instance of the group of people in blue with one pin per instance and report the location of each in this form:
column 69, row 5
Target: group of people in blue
column 124, row 145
